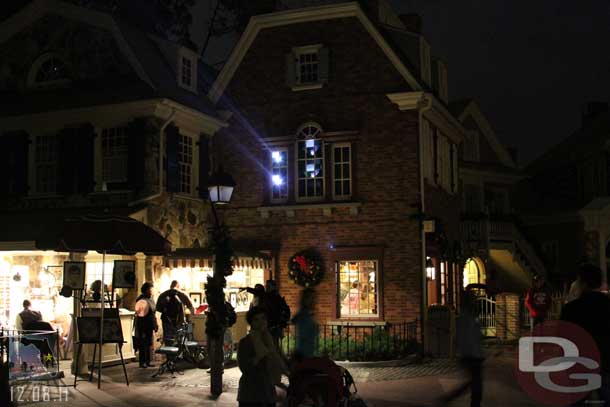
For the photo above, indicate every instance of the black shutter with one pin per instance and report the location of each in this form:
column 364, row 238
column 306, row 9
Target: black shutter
column 172, row 176
column 85, row 159
column 65, row 161
column 204, row 165
column 136, row 146
column 21, row 145
column 5, row 167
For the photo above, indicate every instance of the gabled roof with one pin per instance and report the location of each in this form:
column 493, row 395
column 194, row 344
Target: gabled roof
column 139, row 48
column 327, row 12
column 586, row 141
column 469, row 107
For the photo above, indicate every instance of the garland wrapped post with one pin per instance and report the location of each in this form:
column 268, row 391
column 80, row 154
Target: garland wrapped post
column 305, row 268
column 219, row 315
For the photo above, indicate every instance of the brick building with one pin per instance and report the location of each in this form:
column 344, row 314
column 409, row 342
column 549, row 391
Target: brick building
column 341, row 141
column 564, row 199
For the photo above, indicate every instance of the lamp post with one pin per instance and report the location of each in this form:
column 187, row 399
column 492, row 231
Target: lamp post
column 220, row 190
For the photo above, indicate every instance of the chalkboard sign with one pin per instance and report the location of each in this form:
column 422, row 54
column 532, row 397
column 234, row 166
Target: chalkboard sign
column 89, row 330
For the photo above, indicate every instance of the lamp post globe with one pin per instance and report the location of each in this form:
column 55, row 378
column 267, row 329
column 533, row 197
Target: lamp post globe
column 220, row 187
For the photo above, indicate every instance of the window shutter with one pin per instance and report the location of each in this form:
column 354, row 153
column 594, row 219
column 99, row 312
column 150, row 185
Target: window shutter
column 5, row 151
column 172, row 175
column 291, row 72
column 136, row 146
column 204, row 165
column 20, row 145
column 84, row 163
column 324, row 59
column 65, row 161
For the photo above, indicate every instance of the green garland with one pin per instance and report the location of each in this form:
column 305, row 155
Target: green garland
column 305, row 268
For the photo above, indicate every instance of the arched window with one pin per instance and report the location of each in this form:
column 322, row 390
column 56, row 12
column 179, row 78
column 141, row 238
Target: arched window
column 49, row 70
column 310, row 162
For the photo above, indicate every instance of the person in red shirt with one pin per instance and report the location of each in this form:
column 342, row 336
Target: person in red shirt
column 538, row 301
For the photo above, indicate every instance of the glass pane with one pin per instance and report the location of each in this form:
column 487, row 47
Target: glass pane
column 337, row 171
column 302, row 172
column 338, row 188
column 319, row 187
column 320, row 168
column 302, row 188
column 310, row 187
column 346, row 153
column 301, row 148
column 337, row 155
column 346, row 188
column 319, row 149
column 346, row 170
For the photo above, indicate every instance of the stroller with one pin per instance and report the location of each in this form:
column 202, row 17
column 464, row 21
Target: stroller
column 321, row 382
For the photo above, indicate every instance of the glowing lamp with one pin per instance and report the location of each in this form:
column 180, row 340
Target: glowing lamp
column 277, row 156
column 430, row 271
column 277, row 180
column 220, row 187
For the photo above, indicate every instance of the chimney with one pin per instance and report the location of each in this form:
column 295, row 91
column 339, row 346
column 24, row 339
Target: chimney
column 412, row 22
column 592, row 111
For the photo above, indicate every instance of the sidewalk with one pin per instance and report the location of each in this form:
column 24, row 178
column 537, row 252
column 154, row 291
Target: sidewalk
column 411, row 385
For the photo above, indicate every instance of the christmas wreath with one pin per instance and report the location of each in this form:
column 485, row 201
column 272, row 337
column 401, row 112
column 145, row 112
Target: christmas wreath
column 305, row 268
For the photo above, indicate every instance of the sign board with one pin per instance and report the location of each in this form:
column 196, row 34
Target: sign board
column 89, row 330
column 124, row 274
column 74, row 274
column 429, row 226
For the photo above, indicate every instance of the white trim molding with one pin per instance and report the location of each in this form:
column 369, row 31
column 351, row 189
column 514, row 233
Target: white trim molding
column 327, row 208
column 303, row 15
column 434, row 110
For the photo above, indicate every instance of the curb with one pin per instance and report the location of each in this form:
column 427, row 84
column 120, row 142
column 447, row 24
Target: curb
column 409, row 360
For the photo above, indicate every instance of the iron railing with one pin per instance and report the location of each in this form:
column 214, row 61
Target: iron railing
column 353, row 342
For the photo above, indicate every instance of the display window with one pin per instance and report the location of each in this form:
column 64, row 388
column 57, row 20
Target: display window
column 358, row 288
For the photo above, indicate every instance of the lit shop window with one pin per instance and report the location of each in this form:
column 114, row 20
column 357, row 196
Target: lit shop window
column 279, row 175
column 358, row 293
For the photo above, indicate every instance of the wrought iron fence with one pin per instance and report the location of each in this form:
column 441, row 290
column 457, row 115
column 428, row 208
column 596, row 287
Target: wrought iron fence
column 360, row 343
column 485, row 311
column 29, row 354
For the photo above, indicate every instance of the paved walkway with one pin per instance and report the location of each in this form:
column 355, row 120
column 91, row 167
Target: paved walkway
column 413, row 385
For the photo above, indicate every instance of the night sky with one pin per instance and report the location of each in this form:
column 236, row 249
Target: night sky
column 532, row 65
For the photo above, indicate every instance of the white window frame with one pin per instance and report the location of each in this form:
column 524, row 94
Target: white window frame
column 186, row 178
column 342, row 179
column 113, row 159
column 377, row 288
column 37, row 66
column 302, row 137
column 298, row 52
column 51, row 164
column 187, row 55
column 286, row 181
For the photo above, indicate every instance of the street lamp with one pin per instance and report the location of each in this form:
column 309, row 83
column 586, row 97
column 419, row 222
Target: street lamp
column 430, row 270
column 220, row 188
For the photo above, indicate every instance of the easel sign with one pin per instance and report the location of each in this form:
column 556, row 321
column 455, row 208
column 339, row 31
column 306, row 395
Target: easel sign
column 74, row 274
column 89, row 330
column 124, row 274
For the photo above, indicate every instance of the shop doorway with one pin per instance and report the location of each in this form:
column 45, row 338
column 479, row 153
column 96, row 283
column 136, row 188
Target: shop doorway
column 474, row 272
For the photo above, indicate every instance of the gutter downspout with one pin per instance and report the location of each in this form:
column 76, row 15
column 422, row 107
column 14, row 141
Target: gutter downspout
column 423, row 106
column 169, row 119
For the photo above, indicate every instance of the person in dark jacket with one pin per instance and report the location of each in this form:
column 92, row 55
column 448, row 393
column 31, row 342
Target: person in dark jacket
column 591, row 311
column 260, row 363
column 146, row 324
column 171, row 305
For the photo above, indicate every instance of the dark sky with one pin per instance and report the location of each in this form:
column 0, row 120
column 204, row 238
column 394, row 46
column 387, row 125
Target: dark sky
column 532, row 64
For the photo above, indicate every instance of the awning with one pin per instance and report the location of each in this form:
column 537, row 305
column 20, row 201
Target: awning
column 66, row 231
column 203, row 257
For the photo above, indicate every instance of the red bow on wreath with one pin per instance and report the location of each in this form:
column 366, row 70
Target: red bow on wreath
column 302, row 262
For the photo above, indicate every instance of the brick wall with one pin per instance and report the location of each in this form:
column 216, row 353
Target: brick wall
column 507, row 317
column 385, row 164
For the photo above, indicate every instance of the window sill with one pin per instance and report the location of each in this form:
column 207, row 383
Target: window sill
column 327, row 208
column 307, row 86
column 357, row 322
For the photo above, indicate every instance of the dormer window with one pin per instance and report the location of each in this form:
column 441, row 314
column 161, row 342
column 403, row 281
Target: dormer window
column 187, row 70
column 307, row 67
column 49, row 70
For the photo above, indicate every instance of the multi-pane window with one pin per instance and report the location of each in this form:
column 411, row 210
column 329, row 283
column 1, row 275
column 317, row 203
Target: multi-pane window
column 279, row 175
column 358, row 291
column 342, row 171
column 114, row 155
column 185, row 162
column 308, row 66
column 187, row 71
column 310, row 164
column 46, row 164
